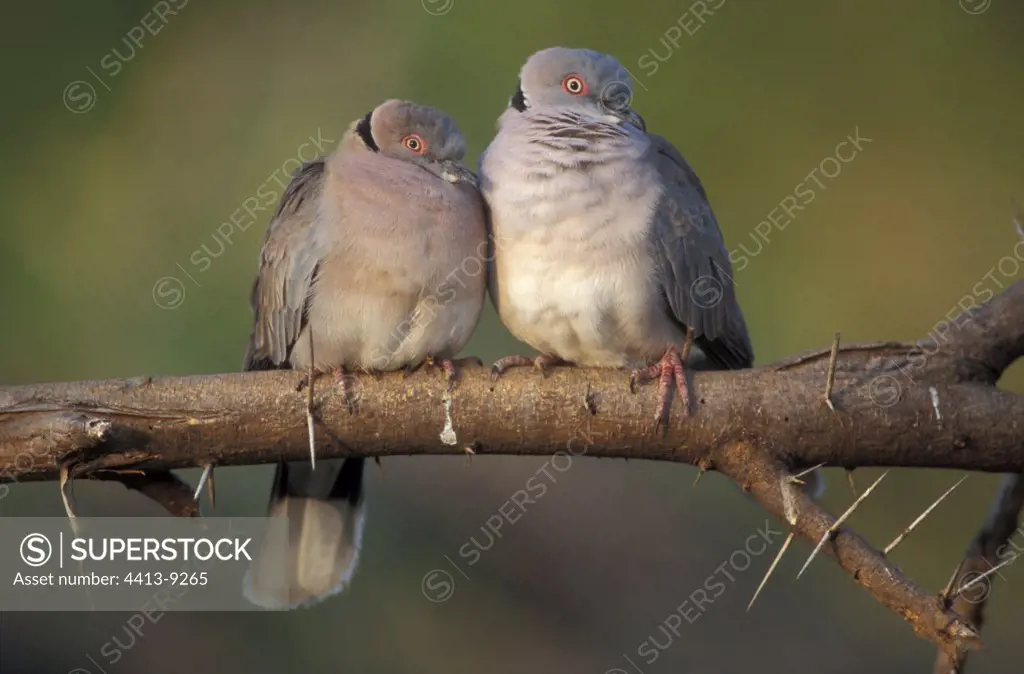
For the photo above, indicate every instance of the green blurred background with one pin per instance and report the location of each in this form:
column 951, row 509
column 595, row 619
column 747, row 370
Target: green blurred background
column 99, row 204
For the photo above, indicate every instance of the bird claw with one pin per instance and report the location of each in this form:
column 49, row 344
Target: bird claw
column 344, row 380
column 667, row 371
column 449, row 366
column 638, row 378
column 542, row 363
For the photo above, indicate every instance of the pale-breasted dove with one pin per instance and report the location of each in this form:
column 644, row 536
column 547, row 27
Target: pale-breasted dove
column 606, row 249
column 367, row 251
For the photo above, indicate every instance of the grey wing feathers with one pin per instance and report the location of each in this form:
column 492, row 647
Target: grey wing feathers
column 288, row 264
column 693, row 263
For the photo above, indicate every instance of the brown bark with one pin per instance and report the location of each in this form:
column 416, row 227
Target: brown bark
column 989, row 548
column 930, row 404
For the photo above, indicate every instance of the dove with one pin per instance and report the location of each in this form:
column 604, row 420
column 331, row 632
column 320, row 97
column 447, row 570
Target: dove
column 607, row 251
column 362, row 270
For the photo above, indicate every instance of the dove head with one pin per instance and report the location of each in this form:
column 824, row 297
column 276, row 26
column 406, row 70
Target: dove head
column 416, row 134
column 412, row 132
column 580, row 80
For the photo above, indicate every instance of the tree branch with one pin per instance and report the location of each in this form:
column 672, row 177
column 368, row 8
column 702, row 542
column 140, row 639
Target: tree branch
column 987, row 550
column 773, row 487
column 931, row 404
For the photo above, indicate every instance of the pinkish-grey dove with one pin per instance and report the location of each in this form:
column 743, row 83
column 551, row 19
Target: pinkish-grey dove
column 607, row 252
column 365, row 258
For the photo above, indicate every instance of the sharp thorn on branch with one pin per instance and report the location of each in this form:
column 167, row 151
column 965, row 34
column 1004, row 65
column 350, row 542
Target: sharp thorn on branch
column 798, row 478
column 771, row 569
column 702, row 467
column 830, row 378
column 835, row 525
column 206, row 477
column 920, row 518
column 944, row 596
column 67, row 497
column 977, row 579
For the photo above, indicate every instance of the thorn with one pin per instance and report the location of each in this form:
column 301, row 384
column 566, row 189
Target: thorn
column 796, row 479
column 913, row 525
column 835, row 525
column 312, row 439
column 207, row 476
column 702, row 467
column 830, row 378
column 849, row 478
column 959, row 630
column 944, row 595
column 975, row 581
column 67, row 498
column 771, row 569
column 380, row 465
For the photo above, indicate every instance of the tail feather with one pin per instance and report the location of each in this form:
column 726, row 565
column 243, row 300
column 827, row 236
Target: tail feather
column 315, row 556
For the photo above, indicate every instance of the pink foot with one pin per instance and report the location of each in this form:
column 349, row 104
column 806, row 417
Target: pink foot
column 669, row 368
column 451, row 367
column 542, row 363
column 346, row 383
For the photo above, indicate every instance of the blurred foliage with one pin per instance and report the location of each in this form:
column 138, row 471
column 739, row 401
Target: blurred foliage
column 97, row 207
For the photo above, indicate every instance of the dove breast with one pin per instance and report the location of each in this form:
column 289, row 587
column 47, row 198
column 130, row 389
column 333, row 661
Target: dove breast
column 570, row 214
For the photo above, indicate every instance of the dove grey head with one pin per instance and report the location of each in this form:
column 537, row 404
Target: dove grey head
column 418, row 134
column 580, row 80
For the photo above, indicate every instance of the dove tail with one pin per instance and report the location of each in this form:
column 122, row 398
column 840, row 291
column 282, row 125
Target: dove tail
column 315, row 556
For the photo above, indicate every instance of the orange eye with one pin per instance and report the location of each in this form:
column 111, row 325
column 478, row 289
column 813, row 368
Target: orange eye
column 415, row 143
column 575, row 85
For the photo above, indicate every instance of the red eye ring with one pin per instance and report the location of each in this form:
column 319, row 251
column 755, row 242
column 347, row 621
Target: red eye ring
column 575, row 85
column 415, row 144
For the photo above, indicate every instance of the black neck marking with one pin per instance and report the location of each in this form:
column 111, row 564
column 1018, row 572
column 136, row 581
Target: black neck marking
column 518, row 101
column 363, row 129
